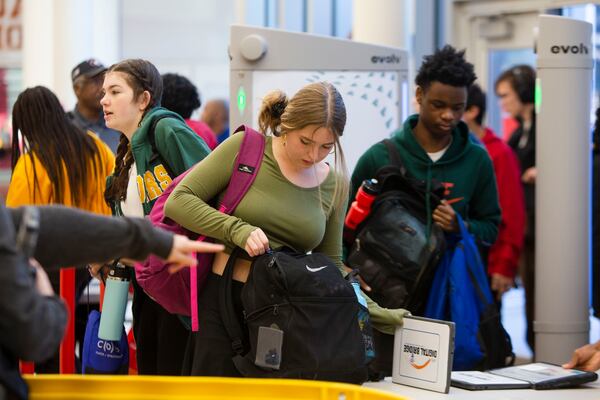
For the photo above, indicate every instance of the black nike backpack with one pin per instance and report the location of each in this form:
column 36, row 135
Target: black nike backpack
column 301, row 317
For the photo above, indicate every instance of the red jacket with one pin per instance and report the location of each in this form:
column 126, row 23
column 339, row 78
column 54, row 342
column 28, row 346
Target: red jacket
column 204, row 131
column 504, row 254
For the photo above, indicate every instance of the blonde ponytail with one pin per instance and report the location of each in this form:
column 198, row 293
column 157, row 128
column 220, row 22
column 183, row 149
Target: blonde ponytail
column 271, row 110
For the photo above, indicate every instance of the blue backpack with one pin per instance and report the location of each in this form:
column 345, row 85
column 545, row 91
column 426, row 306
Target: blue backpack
column 460, row 293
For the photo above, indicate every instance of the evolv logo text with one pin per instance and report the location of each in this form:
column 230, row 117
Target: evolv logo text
column 393, row 59
column 566, row 49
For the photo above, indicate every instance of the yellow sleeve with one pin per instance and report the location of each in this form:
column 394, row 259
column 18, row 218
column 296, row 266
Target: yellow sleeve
column 110, row 161
column 107, row 157
column 106, row 165
column 22, row 190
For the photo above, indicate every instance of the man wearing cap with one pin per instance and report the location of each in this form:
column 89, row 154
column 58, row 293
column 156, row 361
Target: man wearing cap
column 87, row 78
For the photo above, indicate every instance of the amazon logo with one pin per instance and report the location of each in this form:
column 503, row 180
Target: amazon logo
column 419, row 357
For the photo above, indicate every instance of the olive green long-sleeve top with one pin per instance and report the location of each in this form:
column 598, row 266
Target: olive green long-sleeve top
column 303, row 219
column 300, row 218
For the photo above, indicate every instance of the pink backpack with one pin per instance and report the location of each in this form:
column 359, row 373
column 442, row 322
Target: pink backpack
column 173, row 291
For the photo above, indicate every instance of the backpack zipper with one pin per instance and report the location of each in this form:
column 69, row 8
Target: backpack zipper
column 274, row 308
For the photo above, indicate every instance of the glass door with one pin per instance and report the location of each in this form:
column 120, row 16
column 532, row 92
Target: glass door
column 499, row 61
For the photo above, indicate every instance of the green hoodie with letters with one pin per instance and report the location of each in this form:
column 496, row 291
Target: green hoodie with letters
column 465, row 170
column 177, row 145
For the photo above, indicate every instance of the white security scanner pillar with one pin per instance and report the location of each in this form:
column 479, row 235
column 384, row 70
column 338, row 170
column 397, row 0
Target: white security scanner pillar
column 564, row 62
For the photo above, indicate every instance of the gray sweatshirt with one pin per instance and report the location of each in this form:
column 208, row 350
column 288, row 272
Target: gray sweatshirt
column 32, row 325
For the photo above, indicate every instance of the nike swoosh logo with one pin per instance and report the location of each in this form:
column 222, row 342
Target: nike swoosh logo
column 315, row 269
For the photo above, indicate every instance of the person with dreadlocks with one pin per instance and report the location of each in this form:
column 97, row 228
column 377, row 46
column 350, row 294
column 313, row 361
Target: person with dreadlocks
column 55, row 162
column 435, row 145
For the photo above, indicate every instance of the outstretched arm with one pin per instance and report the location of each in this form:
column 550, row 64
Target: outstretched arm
column 69, row 237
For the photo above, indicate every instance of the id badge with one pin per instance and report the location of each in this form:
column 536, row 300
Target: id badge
column 268, row 348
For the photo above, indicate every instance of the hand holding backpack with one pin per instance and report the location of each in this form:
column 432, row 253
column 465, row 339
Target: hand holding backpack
column 301, row 316
column 174, row 291
column 396, row 248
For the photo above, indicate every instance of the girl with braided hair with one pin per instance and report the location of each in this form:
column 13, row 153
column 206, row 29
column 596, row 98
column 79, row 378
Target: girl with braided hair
column 155, row 146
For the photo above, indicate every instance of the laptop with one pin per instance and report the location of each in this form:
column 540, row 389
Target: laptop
column 538, row 376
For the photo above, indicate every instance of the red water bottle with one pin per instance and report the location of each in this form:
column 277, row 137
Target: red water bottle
column 361, row 207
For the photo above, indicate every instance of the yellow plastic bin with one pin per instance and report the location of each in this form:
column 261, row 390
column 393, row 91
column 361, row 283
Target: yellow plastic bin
column 101, row 387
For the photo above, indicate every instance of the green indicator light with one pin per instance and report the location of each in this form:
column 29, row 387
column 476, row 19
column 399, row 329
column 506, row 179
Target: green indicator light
column 538, row 95
column 241, row 99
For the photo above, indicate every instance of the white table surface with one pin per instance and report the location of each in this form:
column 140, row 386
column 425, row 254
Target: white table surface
column 590, row 391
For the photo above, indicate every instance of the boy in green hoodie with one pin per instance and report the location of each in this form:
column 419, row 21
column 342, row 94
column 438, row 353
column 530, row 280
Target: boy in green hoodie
column 435, row 145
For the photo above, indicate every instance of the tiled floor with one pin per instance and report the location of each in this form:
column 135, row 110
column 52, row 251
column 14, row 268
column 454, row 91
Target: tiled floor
column 513, row 319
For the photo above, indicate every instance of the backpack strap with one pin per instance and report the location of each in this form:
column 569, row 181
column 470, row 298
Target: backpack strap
column 394, row 155
column 226, row 308
column 155, row 153
column 245, row 169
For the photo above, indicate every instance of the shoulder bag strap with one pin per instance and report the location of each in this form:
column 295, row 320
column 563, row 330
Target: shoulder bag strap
column 394, row 156
column 227, row 310
column 245, row 169
column 244, row 172
column 155, row 153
